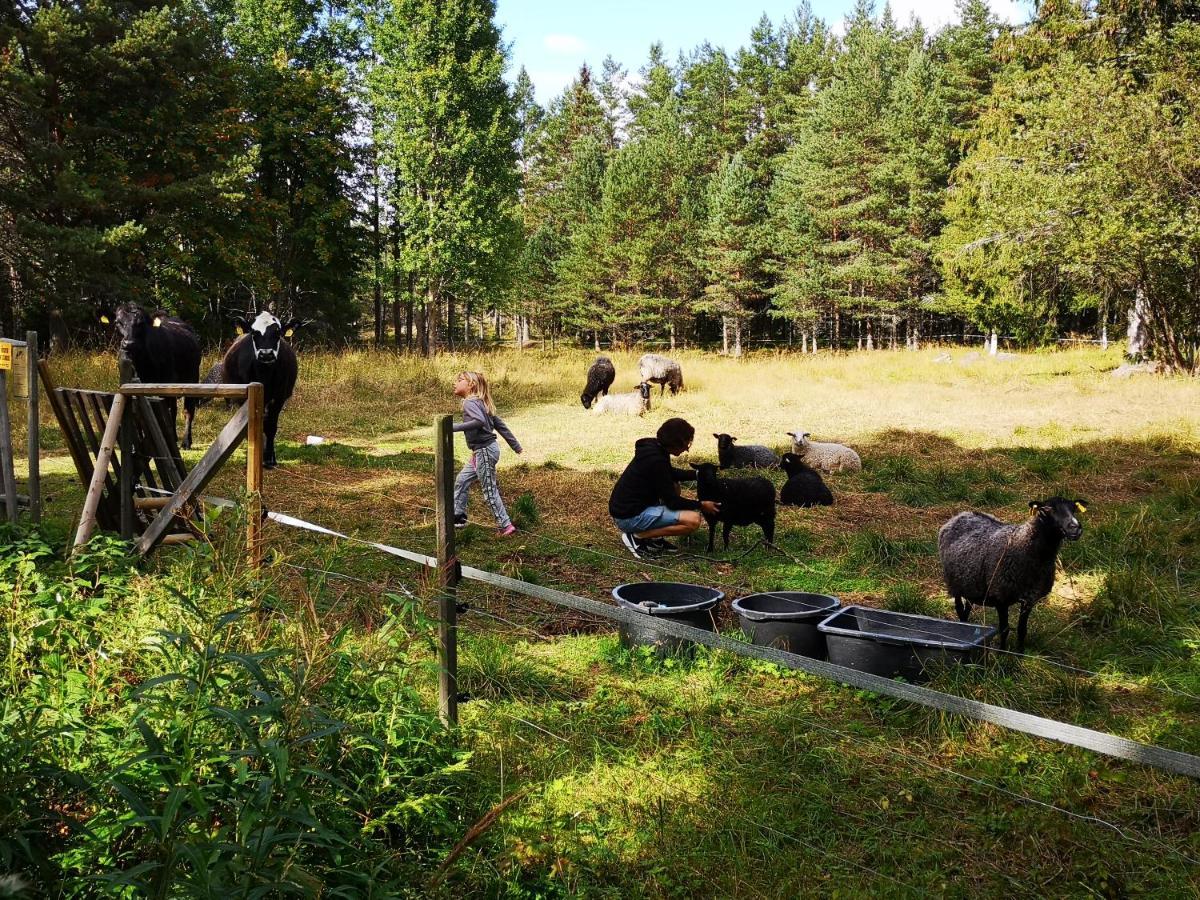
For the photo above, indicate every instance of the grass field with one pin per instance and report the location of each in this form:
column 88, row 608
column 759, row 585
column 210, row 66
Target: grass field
column 718, row 777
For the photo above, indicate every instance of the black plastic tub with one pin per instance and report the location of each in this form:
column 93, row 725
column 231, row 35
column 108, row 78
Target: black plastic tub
column 687, row 604
column 786, row 620
column 892, row 643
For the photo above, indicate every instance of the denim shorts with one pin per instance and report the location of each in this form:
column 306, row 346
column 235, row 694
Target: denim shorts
column 648, row 519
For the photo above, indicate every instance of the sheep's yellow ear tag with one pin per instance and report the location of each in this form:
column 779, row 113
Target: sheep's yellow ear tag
column 1079, row 506
column 289, row 332
column 104, row 320
column 158, row 321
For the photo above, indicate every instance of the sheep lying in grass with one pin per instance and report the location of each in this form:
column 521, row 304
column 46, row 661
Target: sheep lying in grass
column 634, row 403
column 804, row 486
column 991, row 563
column 748, row 456
column 824, row 457
column 662, row 371
column 743, row 501
column 599, row 379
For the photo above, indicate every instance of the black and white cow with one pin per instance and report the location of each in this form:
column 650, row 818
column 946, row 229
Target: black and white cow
column 262, row 354
column 163, row 350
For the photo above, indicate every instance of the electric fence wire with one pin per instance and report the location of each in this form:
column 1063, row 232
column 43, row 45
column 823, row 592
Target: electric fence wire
column 1143, row 839
column 863, row 614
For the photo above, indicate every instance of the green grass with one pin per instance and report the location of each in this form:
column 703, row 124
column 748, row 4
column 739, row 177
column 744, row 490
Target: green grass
column 715, row 776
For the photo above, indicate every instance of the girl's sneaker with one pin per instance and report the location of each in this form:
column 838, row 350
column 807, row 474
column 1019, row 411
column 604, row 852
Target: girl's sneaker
column 506, row 531
column 460, row 521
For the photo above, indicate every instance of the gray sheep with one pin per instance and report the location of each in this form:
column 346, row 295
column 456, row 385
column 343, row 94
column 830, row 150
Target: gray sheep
column 632, row 404
column 824, row 457
column 987, row 562
column 662, row 371
column 599, row 379
column 748, row 456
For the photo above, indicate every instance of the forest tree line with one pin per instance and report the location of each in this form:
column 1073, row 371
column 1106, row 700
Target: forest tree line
column 368, row 165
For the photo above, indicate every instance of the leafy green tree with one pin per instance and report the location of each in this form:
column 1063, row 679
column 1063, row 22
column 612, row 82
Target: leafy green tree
column 733, row 248
column 448, row 129
column 1082, row 189
column 839, row 184
column 122, row 160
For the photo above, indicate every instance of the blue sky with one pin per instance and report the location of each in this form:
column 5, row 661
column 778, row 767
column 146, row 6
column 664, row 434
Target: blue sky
column 552, row 38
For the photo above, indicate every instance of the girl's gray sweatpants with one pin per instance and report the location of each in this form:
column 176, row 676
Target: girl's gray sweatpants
column 481, row 467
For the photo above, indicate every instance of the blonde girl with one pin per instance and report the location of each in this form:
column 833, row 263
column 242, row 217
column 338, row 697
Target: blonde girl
column 480, row 426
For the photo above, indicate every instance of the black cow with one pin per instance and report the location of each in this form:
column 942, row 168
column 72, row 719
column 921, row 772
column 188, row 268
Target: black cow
column 261, row 354
column 163, row 349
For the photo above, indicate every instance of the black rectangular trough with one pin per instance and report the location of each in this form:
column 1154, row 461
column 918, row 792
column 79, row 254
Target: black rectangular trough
column 891, row 643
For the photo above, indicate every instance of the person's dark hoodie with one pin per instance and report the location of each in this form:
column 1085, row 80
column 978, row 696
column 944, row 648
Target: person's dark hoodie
column 649, row 480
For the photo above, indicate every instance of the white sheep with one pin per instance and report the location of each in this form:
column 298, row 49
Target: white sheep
column 824, row 457
column 634, row 403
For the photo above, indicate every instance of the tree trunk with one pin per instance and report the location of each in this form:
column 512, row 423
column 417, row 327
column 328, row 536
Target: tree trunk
column 409, row 303
column 423, row 329
column 450, row 321
column 737, row 338
column 870, row 336
column 837, row 328
column 377, row 247
column 804, row 342
column 993, row 343
column 1137, row 335
column 672, row 333
column 724, row 336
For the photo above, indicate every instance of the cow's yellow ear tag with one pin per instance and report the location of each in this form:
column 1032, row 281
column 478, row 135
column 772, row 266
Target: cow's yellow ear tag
column 104, row 320
column 289, row 332
column 239, row 329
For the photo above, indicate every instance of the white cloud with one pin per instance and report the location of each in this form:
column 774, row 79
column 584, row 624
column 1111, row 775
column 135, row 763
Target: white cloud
column 564, row 43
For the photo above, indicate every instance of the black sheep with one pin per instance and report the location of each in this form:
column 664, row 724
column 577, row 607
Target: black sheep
column 599, row 379
column 163, row 350
column 743, row 501
column 804, row 486
column 992, row 563
column 261, row 354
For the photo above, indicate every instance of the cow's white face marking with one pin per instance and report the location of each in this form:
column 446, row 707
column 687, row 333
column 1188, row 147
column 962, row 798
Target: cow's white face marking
column 264, row 321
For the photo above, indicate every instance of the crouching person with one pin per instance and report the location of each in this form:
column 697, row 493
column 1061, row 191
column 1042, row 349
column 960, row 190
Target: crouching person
column 645, row 503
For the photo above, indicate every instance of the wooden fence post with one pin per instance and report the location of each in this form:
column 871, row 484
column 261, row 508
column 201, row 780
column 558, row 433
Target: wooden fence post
column 33, row 439
column 126, row 476
column 447, row 572
column 6, row 452
column 254, row 473
column 87, row 519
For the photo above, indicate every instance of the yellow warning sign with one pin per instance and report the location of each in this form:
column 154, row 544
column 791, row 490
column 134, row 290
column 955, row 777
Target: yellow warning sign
column 5, row 356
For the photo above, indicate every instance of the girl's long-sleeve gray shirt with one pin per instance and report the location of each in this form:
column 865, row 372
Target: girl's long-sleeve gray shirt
column 480, row 427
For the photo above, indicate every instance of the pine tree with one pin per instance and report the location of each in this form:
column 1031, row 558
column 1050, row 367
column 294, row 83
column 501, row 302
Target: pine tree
column 733, row 248
column 448, row 129
column 122, row 154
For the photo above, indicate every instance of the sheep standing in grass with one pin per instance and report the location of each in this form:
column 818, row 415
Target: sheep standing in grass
column 662, row 371
column 987, row 562
column 748, row 456
column 632, row 404
column 823, row 457
column 741, row 501
column 804, row 486
column 599, row 379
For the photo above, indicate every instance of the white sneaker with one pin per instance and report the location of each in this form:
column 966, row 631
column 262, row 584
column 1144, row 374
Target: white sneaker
column 632, row 544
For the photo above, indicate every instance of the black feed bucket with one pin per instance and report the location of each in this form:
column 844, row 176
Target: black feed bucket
column 687, row 604
column 891, row 643
column 786, row 620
